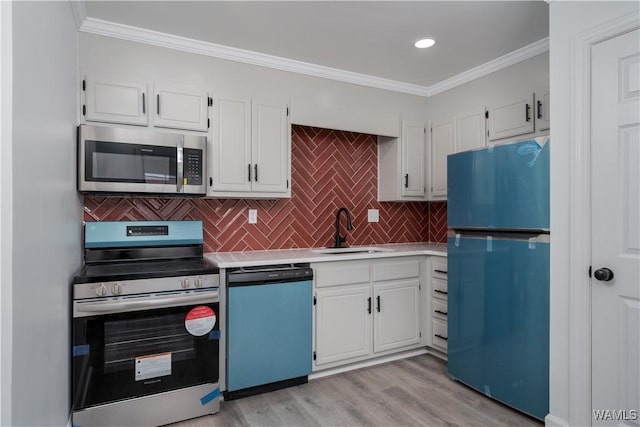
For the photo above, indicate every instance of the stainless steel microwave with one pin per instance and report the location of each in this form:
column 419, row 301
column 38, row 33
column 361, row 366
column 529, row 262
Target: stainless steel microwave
column 119, row 160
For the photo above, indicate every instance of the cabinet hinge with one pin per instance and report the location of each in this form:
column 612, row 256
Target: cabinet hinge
column 486, row 114
column 84, row 85
column 210, row 101
column 208, row 123
column 314, row 300
column 589, row 271
column 314, row 355
column 84, row 110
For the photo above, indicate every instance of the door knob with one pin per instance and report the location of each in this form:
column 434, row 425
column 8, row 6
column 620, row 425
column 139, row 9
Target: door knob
column 603, row 274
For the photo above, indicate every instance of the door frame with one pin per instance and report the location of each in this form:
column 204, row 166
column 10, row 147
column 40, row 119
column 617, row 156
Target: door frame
column 580, row 216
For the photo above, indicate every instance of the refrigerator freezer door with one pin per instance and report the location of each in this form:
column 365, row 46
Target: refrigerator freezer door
column 498, row 330
column 501, row 187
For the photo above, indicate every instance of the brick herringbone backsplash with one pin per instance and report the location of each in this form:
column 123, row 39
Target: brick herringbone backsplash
column 329, row 169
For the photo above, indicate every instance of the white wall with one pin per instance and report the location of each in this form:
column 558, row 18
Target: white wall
column 47, row 213
column 570, row 365
column 314, row 101
column 526, row 77
column 5, row 211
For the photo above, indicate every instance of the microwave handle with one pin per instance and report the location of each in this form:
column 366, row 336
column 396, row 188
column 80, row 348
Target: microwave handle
column 180, row 163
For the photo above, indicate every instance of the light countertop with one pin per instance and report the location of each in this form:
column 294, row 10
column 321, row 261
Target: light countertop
column 289, row 256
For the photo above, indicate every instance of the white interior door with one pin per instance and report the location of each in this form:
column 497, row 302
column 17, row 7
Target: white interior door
column 615, row 194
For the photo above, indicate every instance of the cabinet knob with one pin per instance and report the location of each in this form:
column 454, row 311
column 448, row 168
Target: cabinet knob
column 603, row 274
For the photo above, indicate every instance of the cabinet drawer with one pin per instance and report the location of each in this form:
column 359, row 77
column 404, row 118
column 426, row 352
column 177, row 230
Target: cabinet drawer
column 343, row 274
column 439, row 334
column 439, row 288
column 396, row 270
column 439, row 268
column 439, row 309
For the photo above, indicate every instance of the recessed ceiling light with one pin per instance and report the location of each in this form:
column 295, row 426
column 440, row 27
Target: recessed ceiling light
column 422, row 43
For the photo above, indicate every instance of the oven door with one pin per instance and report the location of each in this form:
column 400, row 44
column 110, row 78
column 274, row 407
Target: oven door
column 131, row 354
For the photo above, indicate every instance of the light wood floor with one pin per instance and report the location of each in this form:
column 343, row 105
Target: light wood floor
column 409, row 392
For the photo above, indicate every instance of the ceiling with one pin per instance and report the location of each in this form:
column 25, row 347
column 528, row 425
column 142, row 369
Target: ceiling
column 371, row 38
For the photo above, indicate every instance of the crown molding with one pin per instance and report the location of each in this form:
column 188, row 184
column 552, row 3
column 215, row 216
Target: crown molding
column 155, row 38
column 126, row 32
column 526, row 52
column 79, row 12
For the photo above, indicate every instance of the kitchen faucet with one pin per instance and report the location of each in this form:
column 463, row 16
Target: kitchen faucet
column 338, row 238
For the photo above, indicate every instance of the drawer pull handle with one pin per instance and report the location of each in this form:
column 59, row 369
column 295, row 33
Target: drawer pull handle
column 378, row 303
column 369, row 305
column 441, row 337
column 439, row 291
column 440, row 271
column 444, row 313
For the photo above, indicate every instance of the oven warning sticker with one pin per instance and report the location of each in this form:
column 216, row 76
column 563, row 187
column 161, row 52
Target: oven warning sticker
column 153, row 366
column 200, row 320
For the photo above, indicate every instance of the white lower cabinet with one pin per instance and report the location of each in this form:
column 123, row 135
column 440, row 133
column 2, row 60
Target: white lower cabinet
column 343, row 323
column 373, row 310
column 438, row 303
column 397, row 315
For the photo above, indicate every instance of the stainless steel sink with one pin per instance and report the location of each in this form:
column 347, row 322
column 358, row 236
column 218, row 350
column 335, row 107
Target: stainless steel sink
column 350, row 250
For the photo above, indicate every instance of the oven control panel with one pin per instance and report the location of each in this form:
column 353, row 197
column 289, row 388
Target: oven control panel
column 147, row 230
column 125, row 288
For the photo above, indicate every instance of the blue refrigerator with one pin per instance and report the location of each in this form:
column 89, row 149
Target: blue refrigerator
column 498, row 272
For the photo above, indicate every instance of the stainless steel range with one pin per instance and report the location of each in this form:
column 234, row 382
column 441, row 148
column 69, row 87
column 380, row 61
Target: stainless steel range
column 145, row 329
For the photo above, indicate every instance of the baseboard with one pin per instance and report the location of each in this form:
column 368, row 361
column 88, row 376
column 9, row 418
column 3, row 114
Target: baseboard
column 553, row 421
column 367, row 363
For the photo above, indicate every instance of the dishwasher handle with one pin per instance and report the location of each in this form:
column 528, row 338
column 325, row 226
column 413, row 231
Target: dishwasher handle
column 266, row 277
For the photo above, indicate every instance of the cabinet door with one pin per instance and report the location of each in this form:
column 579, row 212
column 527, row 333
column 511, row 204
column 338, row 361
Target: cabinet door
column 270, row 153
column 343, row 323
column 442, row 144
column 511, row 119
column 180, row 107
column 471, row 131
column 230, row 161
column 397, row 315
column 543, row 102
column 412, row 141
column 116, row 101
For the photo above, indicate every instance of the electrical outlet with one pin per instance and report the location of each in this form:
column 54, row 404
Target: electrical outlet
column 253, row 216
column 373, row 215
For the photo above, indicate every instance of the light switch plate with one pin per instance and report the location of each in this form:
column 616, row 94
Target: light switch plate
column 253, row 216
column 373, row 215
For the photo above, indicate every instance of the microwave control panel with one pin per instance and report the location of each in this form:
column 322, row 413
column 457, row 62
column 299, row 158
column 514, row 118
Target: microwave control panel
column 192, row 167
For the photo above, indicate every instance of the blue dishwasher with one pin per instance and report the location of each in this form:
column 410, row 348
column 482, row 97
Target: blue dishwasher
column 269, row 330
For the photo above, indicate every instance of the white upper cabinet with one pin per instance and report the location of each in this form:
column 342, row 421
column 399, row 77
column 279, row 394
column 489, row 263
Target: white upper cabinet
column 251, row 150
column 230, row 161
column 543, row 101
column 471, row 131
column 442, row 144
column 180, row 107
column 413, row 154
column 511, row 118
column 401, row 164
column 133, row 103
column 270, row 152
column 116, row 101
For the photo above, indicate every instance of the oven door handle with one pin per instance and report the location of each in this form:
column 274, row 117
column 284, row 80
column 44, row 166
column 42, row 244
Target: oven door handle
column 144, row 303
